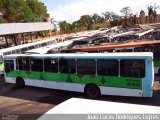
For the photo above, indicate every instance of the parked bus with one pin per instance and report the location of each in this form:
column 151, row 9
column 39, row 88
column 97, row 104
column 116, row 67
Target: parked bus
column 95, row 74
column 51, row 48
column 22, row 48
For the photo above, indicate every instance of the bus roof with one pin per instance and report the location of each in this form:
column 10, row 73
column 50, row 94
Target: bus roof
column 132, row 55
column 145, row 32
column 123, row 34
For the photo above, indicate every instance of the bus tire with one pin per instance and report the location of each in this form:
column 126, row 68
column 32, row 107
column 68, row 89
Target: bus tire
column 92, row 91
column 159, row 72
column 20, row 82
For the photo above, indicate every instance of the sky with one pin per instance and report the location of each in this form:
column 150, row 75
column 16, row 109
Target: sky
column 71, row 10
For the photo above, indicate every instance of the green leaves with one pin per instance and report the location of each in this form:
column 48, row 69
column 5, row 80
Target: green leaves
column 23, row 10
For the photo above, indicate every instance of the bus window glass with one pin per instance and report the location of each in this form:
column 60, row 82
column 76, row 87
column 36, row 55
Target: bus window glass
column 44, row 44
column 23, row 50
column 31, row 47
column 51, row 65
column 37, row 46
column 67, row 66
column 14, row 52
column 107, row 67
column 53, row 42
column 50, row 43
column 18, row 51
column 36, row 65
column 132, row 68
column 86, row 66
column 23, row 64
column 9, row 65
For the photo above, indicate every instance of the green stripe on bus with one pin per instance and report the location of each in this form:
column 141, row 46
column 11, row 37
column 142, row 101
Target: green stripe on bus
column 110, row 81
column 1, row 66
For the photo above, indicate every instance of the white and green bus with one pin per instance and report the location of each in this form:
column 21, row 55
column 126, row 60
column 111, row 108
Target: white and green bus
column 95, row 74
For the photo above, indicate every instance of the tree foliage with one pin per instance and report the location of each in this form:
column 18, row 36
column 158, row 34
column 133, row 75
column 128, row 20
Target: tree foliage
column 23, row 10
column 126, row 11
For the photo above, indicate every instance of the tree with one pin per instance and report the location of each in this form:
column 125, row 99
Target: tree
column 126, row 11
column 95, row 18
column 111, row 17
column 142, row 17
column 86, row 22
column 39, row 10
column 64, row 27
column 142, row 13
column 15, row 10
column 152, row 13
column 23, row 10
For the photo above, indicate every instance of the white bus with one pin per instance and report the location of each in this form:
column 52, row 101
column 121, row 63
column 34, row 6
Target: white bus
column 95, row 74
column 22, row 48
column 51, row 48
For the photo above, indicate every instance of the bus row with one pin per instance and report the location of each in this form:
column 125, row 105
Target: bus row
column 127, row 74
column 22, row 48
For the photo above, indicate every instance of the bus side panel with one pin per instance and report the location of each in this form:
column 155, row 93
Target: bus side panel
column 10, row 80
column 121, row 91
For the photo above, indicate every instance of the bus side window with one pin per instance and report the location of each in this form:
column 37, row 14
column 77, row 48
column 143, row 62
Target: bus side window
column 18, row 51
column 9, row 65
column 107, row 67
column 23, row 64
column 23, row 50
column 132, row 68
column 53, row 42
column 31, row 47
column 86, row 66
column 51, row 65
column 67, row 66
column 36, row 65
column 44, row 44
column 36, row 46
column 14, row 52
column 50, row 43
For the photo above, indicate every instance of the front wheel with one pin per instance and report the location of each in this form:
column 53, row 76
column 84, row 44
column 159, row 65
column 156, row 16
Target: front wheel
column 92, row 91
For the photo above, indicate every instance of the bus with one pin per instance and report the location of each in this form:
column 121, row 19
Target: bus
column 22, row 48
column 95, row 74
column 51, row 48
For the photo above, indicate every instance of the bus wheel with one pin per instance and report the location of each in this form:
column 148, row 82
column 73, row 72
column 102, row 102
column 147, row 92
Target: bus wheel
column 159, row 72
column 92, row 91
column 20, row 82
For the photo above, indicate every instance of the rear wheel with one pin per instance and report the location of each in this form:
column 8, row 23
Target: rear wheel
column 20, row 82
column 92, row 91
